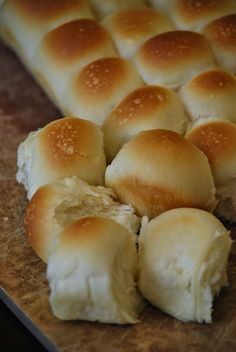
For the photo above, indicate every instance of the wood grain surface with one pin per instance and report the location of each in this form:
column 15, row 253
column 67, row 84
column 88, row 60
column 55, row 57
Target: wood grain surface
column 24, row 107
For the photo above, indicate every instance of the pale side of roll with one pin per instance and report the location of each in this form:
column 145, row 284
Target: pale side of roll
column 164, row 5
column 183, row 256
column 211, row 93
column 145, row 108
column 64, row 147
column 194, row 15
column 64, row 51
column 56, row 205
column 25, row 22
column 217, row 139
column 100, row 86
column 171, row 58
column 159, row 170
column 92, row 273
column 131, row 28
column 221, row 34
column 106, row 7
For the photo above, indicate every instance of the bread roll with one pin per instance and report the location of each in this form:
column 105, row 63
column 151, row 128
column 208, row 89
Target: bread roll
column 95, row 281
column 56, row 205
column 210, row 94
column 172, row 58
column 25, row 22
column 106, row 7
column 99, row 86
column 194, row 15
column 217, row 139
column 65, row 147
column 222, row 37
column 64, row 51
column 145, row 108
column 159, row 170
column 183, row 257
column 131, row 28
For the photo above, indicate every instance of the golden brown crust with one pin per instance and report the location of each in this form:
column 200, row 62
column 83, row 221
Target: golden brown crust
column 159, row 170
column 82, row 231
column 139, row 104
column 38, row 12
column 137, row 22
column 101, row 78
column 73, row 40
column 223, row 32
column 191, row 9
column 159, row 198
column 215, row 80
column 67, row 142
column 34, row 227
column 173, row 48
column 217, row 139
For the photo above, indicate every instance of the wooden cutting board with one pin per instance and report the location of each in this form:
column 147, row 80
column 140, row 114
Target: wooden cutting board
column 24, row 107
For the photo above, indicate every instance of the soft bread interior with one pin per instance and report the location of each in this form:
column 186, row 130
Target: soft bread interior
column 182, row 270
column 56, row 205
column 97, row 281
column 87, row 200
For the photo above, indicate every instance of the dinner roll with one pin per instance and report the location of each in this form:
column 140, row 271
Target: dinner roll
column 65, row 147
column 222, row 37
column 99, row 86
column 56, row 205
column 159, row 170
column 92, row 273
column 66, row 50
column 183, row 256
column 172, row 58
column 217, row 139
column 25, row 22
column 196, row 14
column 145, row 108
column 131, row 28
column 210, row 94
column 106, row 7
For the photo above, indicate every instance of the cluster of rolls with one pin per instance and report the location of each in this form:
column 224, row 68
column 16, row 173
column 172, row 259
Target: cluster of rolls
column 122, row 194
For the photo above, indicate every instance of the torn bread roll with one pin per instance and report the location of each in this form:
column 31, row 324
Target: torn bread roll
column 210, row 94
column 131, row 28
column 24, row 23
column 106, row 7
column 56, row 205
column 146, row 108
column 92, row 273
column 99, row 86
column 221, row 34
column 159, row 170
column 65, row 50
column 171, row 58
column 183, row 256
column 194, row 15
column 217, row 139
column 64, row 147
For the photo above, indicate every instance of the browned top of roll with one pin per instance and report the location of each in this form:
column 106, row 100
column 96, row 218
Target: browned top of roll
column 64, row 141
column 172, row 48
column 214, row 80
column 65, row 43
column 39, row 11
column 135, row 22
column 223, row 31
column 101, row 76
column 194, row 15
